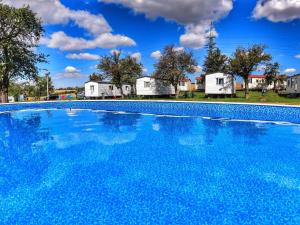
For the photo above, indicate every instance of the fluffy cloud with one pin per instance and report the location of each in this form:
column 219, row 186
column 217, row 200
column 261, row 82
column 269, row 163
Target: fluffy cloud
column 277, row 10
column 71, row 69
column 86, row 56
column 66, row 43
column 114, row 51
column 70, row 72
column 290, row 70
column 198, row 69
column 54, row 12
column 297, row 56
column 137, row 56
column 197, row 16
column 179, row 49
column 156, row 54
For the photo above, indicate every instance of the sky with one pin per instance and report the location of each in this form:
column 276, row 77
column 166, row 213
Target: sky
column 79, row 32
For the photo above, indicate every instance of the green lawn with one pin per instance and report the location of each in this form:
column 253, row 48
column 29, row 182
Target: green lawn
column 255, row 97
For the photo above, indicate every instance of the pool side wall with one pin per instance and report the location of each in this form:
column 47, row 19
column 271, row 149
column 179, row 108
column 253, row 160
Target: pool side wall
column 216, row 110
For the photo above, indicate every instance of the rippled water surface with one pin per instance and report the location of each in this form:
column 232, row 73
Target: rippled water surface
column 93, row 167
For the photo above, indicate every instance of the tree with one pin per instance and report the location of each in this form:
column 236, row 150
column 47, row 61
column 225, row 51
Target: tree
column 215, row 61
column 246, row 60
column 120, row 70
column 174, row 65
column 272, row 73
column 96, row 77
column 41, row 86
column 20, row 32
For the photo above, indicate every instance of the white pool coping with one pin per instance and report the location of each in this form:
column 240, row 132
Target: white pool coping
column 163, row 101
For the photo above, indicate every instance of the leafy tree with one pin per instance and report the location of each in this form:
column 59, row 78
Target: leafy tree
column 20, row 32
column 41, row 86
column 215, row 61
column 174, row 65
column 96, row 77
column 272, row 73
column 120, row 70
column 246, row 60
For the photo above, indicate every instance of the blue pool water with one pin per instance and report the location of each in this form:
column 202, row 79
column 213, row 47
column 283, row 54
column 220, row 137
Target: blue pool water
column 67, row 166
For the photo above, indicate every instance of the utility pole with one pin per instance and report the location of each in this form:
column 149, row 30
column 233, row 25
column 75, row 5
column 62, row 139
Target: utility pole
column 47, row 79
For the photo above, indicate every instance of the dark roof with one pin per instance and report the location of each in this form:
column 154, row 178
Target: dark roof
column 296, row 75
column 102, row 82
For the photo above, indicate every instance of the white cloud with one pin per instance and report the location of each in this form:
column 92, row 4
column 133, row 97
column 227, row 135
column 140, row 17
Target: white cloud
column 71, row 69
column 86, row 56
column 114, row 51
column 277, row 10
column 297, row 56
column 179, row 49
column 198, row 69
column 54, row 12
column 156, row 55
column 137, row 56
column 70, row 72
column 290, row 70
column 261, row 68
column 195, row 15
column 66, row 43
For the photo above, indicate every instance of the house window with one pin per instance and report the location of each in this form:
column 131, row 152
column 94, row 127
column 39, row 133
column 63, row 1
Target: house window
column 127, row 88
column 146, row 84
column 111, row 88
column 250, row 81
column 288, row 83
column 181, row 83
column 92, row 88
column 220, row 81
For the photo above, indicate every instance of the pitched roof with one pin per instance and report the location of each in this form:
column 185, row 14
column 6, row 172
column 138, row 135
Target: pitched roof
column 185, row 80
column 199, row 78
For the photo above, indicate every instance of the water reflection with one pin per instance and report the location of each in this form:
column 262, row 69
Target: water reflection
column 211, row 129
column 250, row 132
column 22, row 161
column 174, row 126
column 118, row 128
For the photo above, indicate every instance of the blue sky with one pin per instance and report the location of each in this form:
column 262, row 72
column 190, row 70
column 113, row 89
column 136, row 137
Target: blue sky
column 78, row 31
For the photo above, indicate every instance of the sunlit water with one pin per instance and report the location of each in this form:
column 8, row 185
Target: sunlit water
column 93, row 167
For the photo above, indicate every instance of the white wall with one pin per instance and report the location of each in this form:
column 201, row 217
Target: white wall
column 88, row 92
column 259, row 83
column 293, row 85
column 211, row 86
column 105, row 89
column 156, row 87
column 184, row 86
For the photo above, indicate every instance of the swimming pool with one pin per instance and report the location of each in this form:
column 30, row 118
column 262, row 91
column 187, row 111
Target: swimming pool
column 124, row 162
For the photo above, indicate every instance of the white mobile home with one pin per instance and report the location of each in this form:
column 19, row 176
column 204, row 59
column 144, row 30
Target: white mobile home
column 95, row 89
column 293, row 85
column 185, row 85
column 148, row 86
column 258, row 82
column 219, row 84
column 200, row 83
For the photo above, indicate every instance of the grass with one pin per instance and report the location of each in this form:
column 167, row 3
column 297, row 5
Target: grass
column 255, row 97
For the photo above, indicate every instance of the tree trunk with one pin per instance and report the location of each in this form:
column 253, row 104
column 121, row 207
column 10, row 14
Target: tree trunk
column 247, row 89
column 176, row 91
column 4, row 95
column 275, row 86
